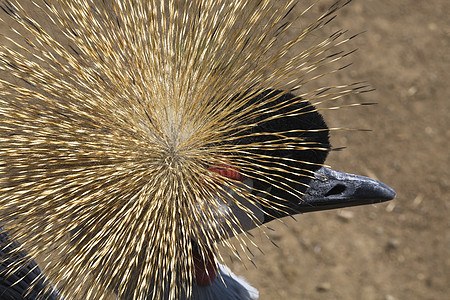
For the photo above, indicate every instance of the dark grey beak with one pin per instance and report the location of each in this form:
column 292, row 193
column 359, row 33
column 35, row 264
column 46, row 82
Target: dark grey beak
column 332, row 189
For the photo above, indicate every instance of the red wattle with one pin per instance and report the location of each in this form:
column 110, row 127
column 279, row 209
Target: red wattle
column 205, row 269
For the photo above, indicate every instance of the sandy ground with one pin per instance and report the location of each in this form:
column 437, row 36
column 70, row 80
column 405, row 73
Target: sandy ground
column 397, row 250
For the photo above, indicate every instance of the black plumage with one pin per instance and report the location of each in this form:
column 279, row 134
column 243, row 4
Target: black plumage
column 26, row 281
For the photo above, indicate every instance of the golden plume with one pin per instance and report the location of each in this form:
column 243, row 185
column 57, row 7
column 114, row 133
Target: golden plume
column 112, row 114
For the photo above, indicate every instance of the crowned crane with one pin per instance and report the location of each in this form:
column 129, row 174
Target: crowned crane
column 138, row 136
column 322, row 189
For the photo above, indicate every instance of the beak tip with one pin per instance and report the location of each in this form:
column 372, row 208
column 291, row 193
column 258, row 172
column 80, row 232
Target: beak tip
column 389, row 193
column 378, row 192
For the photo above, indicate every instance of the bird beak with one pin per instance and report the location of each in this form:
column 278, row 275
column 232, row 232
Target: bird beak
column 328, row 189
column 331, row 189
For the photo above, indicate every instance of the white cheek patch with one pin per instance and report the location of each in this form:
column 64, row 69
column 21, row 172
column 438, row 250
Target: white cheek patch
column 249, row 215
column 234, row 216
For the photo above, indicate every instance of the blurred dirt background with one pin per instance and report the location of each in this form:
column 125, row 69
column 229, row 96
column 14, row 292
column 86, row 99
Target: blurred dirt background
column 394, row 250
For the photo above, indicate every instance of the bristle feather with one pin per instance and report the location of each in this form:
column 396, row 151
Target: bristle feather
column 112, row 112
